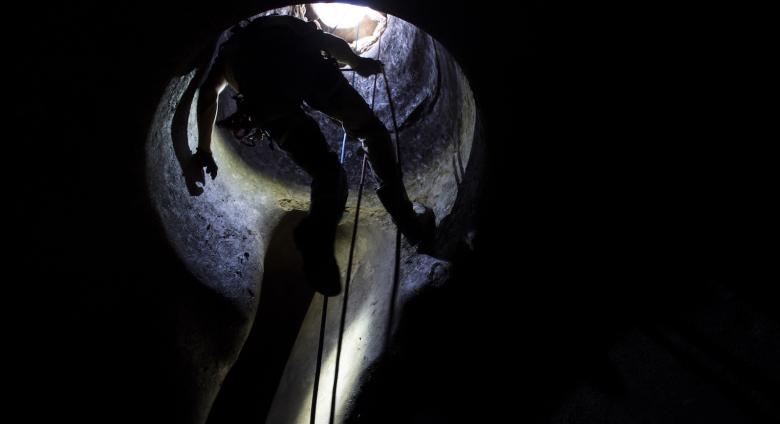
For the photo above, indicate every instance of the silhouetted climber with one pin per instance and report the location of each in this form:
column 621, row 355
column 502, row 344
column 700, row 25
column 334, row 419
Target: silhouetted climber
column 276, row 63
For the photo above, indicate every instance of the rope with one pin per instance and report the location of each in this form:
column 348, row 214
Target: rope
column 324, row 317
column 354, row 74
column 319, row 360
column 345, row 299
column 351, row 257
column 397, row 266
column 348, row 278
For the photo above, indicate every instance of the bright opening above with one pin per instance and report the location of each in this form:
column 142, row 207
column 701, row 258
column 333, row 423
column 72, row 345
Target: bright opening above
column 339, row 14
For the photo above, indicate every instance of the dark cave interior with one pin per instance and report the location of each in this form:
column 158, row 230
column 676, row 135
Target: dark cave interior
column 618, row 271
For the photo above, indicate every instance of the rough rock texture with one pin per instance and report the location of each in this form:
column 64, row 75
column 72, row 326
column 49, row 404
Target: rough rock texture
column 224, row 235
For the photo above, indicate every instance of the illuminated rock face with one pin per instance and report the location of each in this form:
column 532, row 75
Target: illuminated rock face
column 235, row 237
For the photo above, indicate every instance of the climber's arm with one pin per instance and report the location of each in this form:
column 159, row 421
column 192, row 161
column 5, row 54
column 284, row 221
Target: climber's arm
column 338, row 49
column 207, row 106
column 207, row 113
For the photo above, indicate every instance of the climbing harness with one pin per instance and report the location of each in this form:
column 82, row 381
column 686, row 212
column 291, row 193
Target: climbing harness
column 243, row 127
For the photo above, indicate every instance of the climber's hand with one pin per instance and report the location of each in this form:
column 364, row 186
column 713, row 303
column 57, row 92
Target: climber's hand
column 367, row 66
column 193, row 171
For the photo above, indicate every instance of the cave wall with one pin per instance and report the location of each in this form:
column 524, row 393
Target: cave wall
column 223, row 234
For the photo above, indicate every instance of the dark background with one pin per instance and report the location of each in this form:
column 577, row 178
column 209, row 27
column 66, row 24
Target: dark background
column 629, row 203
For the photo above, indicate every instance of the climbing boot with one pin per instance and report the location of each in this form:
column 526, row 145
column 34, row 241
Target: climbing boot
column 319, row 263
column 416, row 221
